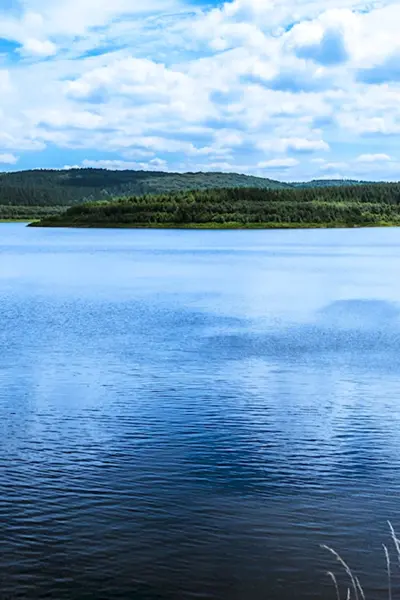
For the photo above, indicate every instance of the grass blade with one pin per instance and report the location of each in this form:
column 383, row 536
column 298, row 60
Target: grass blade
column 335, row 583
column 360, row 588
column 389, row 570
column 346, row 567
column 395, row 540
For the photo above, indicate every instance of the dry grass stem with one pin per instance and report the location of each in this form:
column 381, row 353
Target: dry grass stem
column 389, row 570
column 335, row 583
column 395, row 540
column 360, row 588
column 347, row 569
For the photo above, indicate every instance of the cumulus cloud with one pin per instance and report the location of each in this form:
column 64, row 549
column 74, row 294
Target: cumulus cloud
column 373, row 158
column 388, row 71
column 8, row 159
column 278, row 163
column 295, row 144
column 334, row 166
column 246, row 85
column 330, row 50
column 39, row 47
column 156, row 164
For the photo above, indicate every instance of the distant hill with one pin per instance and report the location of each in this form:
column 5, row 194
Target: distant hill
column 74, row 186
column 45, row 192
column 329, row 183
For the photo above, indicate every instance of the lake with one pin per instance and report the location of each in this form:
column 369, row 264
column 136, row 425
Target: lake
column 191, row 414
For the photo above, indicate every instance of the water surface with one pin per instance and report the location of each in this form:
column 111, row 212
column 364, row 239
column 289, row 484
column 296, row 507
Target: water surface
column 190, row 414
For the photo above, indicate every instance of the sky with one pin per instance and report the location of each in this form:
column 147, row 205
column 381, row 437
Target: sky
column 287, row 89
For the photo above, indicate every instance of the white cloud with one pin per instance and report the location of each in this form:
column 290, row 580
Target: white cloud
column 373, row 158
column 334, row 166
column 40, row 21
column 333, row 176
column 278, row 163
column 5, row 81
column 123, row 165
column 251, row 84
column 39, row 47
column 8, row 159
column 384, row 124
column 58, row 118
column 294, row 144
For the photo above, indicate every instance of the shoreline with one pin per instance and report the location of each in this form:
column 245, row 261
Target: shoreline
column 27, row 221
column 212, row 226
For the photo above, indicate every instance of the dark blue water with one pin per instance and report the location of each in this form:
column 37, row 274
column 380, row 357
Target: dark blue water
column 191, row 414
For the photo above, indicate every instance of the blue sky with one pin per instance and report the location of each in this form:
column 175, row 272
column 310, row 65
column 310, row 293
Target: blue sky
column 287, row 89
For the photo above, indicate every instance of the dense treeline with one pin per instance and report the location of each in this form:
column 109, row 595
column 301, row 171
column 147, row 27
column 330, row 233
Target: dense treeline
column 28, row 213
column 74, row 186
column 329, row 183
column 334, row 206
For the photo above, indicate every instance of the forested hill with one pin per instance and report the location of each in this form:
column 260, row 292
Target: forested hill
column 74, row 186
column 349, row 206
column 329, row 183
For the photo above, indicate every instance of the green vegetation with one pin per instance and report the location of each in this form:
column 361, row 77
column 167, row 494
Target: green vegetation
column 353, row 589
column 347, row 206
column 329, row 183
column 217, row 200
column 75, row 186
column 28, row 213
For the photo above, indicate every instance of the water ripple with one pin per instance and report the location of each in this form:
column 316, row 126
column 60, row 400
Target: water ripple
column 187, row 416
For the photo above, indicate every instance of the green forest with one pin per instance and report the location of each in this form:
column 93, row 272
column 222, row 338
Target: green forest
column 73, row 186
column 337, row 206
column 37, row 193
column 100, row 197
column 28, row 213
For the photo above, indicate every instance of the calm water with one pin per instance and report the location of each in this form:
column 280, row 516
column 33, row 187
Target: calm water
column 191, row 414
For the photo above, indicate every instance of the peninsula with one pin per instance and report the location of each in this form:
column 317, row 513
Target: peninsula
column 230, row 208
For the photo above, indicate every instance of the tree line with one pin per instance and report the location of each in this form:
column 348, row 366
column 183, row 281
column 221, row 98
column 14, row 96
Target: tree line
column 353, row 205
column 28, row 213
column 75, row 186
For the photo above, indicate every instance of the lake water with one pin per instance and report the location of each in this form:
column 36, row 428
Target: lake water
column 190, row 414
